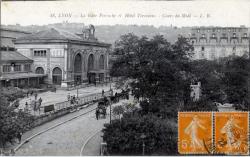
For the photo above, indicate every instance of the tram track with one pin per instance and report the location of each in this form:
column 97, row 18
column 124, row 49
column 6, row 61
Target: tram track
column 87, row 141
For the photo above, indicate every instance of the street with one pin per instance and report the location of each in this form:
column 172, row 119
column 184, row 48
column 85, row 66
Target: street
column 66, row 139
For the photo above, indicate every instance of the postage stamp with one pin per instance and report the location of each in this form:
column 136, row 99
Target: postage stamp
column 195, row 133
column 231, row 133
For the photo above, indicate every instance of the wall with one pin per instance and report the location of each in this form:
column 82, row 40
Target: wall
column 56, row 56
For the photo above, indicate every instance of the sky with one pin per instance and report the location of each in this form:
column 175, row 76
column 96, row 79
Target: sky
column 129, row 12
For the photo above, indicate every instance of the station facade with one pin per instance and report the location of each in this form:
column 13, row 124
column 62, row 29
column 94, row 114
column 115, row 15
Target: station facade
column 66, row 58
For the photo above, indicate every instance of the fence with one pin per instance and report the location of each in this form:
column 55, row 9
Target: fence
column 62, row 108
column 80, row 101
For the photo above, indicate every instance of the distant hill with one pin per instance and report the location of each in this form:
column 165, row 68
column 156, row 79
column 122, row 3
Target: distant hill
column 110, row 33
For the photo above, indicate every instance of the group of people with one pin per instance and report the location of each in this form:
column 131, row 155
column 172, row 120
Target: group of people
column 36, row 104
column 72, row 99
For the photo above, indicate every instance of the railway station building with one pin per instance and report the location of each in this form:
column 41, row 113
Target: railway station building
column 66, row 58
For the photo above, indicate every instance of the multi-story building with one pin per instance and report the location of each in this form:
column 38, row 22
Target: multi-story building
column 66, row 58
column 15, row 69
column 215, row 42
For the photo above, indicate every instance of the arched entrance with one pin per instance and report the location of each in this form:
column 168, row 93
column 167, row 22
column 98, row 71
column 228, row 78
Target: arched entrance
column 91, row 74
column 57, row 76
column 39, row 70
column 78, row 69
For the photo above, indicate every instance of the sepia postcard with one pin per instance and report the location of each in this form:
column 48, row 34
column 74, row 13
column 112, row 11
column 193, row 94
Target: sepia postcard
column 124, row 77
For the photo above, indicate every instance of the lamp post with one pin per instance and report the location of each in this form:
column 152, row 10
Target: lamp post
column 143, row 136
column 77, row 92
column 111, row 95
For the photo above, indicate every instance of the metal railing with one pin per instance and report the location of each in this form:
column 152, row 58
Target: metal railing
column 80, row 101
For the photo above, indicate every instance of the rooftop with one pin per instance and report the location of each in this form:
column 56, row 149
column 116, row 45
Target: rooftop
column 51, row 33
column 56, row 35
column 13, row 56
column 5, row 28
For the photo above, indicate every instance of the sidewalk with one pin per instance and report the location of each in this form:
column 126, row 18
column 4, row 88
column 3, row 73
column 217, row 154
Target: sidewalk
column 49, row 97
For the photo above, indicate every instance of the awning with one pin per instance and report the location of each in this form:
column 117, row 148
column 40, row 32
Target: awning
column 20, row 75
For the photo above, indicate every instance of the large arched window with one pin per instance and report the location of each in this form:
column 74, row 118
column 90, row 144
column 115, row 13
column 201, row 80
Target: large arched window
column 101, row 62
column 39, row 70
column 57, row 75
column 78, row 68
column 91, row 61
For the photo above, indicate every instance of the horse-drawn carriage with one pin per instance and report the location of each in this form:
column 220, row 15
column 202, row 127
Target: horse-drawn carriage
column 102, row 108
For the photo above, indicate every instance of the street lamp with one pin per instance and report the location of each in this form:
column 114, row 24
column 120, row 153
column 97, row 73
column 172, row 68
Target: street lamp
column 143, row 136
column 111, row 95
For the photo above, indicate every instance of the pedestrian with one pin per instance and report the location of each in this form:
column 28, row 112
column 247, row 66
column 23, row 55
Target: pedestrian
column 111, row 91
column 40, row 101
column 97, row 113
column 36, row 96
column 27, row 94
column 31, row 93
column 71, row 100
column 26, row 109
column 68, row 97
column 102, row 92
column 19, row 136
column 74, row 98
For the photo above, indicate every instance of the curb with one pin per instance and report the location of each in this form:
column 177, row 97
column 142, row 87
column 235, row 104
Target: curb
column 83, row 146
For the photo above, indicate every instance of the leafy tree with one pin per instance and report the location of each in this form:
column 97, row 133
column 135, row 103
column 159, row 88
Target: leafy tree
column 118, row 110
column 12, row 122
column 124, row 137
column 236, row 81
column 158, row 70
column 209, row 73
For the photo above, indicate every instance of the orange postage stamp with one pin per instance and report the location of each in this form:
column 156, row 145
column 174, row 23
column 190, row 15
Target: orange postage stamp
column 195, row 132
column 231, row 133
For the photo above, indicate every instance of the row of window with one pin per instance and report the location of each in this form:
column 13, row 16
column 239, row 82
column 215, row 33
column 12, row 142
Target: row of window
column 203, row 48
column 213, row 55
column 40, row 53
column 7, row 48
column 17, row 68
column 223, row 35
column 219, row 30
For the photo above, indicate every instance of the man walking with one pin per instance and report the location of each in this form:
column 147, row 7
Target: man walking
column 19, row 137
column 36, row 96
column 97, row 113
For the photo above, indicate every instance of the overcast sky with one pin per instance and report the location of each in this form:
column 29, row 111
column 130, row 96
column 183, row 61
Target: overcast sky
column 108, row 12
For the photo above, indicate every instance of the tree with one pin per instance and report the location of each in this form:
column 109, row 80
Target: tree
column 158, row 70
column 209, row 73
column 123, row 137
column 118, row 110
column 12, row 122
column 235, row 80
